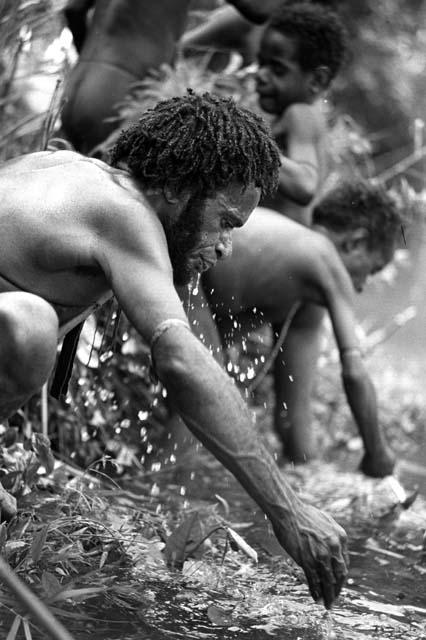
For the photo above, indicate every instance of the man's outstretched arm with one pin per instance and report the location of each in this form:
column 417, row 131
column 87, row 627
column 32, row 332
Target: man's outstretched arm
column 215, row 412
column 140, row 276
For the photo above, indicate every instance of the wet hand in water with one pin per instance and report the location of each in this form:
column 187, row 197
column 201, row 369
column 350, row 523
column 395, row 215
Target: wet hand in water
column 320, row 548
column 379, row 465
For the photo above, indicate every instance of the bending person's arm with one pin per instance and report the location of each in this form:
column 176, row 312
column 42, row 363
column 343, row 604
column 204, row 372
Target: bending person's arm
column 361, row 395
column 378, row 460
column 215, row 412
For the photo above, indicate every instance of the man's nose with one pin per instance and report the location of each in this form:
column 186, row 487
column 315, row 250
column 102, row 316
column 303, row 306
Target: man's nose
column 224, row 248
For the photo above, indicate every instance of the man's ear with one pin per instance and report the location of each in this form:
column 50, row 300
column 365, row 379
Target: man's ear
column 171, row 196
column 321, row 79
column 355, row 240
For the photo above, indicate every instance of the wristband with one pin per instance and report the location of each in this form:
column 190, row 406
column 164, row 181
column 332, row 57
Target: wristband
column 165, row 326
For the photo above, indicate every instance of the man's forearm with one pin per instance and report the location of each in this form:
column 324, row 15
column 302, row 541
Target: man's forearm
column 361, row 397
column 215, row 412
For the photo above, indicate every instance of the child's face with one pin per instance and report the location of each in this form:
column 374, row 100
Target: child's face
column 280, row 80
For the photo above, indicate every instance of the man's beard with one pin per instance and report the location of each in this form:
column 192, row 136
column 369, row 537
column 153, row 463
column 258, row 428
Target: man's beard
column 182, row 238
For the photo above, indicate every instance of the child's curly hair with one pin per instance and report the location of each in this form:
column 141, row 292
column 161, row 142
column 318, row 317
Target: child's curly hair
column 318, row 32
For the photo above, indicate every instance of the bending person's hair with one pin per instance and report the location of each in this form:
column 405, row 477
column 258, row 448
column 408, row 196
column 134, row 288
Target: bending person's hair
column 360, row 204
column 200, row 143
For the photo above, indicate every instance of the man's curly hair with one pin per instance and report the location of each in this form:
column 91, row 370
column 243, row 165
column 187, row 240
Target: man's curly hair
column 360, row 204
column 320, row 35
column 200, row 143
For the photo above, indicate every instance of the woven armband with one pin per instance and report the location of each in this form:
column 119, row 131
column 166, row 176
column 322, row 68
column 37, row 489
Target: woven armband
column 165, row 326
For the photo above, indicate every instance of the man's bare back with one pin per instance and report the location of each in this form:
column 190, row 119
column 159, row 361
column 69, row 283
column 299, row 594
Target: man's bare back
column 51, row 246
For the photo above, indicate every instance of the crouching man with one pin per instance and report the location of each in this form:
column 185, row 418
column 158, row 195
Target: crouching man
column 282, row 272
column 76, row 231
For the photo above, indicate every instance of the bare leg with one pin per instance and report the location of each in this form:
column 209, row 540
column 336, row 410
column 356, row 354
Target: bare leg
column 294, row 371
column 28, row 342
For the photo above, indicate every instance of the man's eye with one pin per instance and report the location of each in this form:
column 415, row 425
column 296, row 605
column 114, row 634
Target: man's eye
column 226, row 224
column 279, row 70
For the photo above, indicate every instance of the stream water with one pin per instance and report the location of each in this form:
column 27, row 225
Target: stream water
column 385, row 596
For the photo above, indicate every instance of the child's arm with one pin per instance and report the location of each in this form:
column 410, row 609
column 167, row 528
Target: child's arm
column 299, row 132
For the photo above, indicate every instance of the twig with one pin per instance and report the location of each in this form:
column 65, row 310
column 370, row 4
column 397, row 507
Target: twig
column 381, row 335
column 51, row 117
column 400, row 166
column 271, row 358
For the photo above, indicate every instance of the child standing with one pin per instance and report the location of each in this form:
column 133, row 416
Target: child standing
column 301, row 51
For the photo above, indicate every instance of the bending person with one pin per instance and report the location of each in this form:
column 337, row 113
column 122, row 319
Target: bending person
column 277, row 263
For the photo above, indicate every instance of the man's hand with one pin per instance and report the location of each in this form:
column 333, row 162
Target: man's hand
column 319, row 546
column 379, row 465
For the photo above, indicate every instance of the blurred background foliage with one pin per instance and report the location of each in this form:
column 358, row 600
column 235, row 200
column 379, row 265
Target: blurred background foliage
column 376, row 111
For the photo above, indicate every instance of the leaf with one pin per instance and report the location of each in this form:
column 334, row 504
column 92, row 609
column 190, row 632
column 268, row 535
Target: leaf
column 223, row 502
column 238, row 543
column 220, row 617
column 78, row 594
column 38, row 543
column 14, row 628
column 27, row 629
column 51, row 584
column 7, row 505
column 176, row 550
column 3, row 536
column 41, row 445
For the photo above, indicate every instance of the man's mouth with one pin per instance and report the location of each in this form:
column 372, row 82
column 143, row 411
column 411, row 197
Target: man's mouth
column 200, row 264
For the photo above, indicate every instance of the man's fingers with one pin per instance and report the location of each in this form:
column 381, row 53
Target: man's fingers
column 340, row 573
column 328, row 584
column 313, row 583
column 327, row 577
